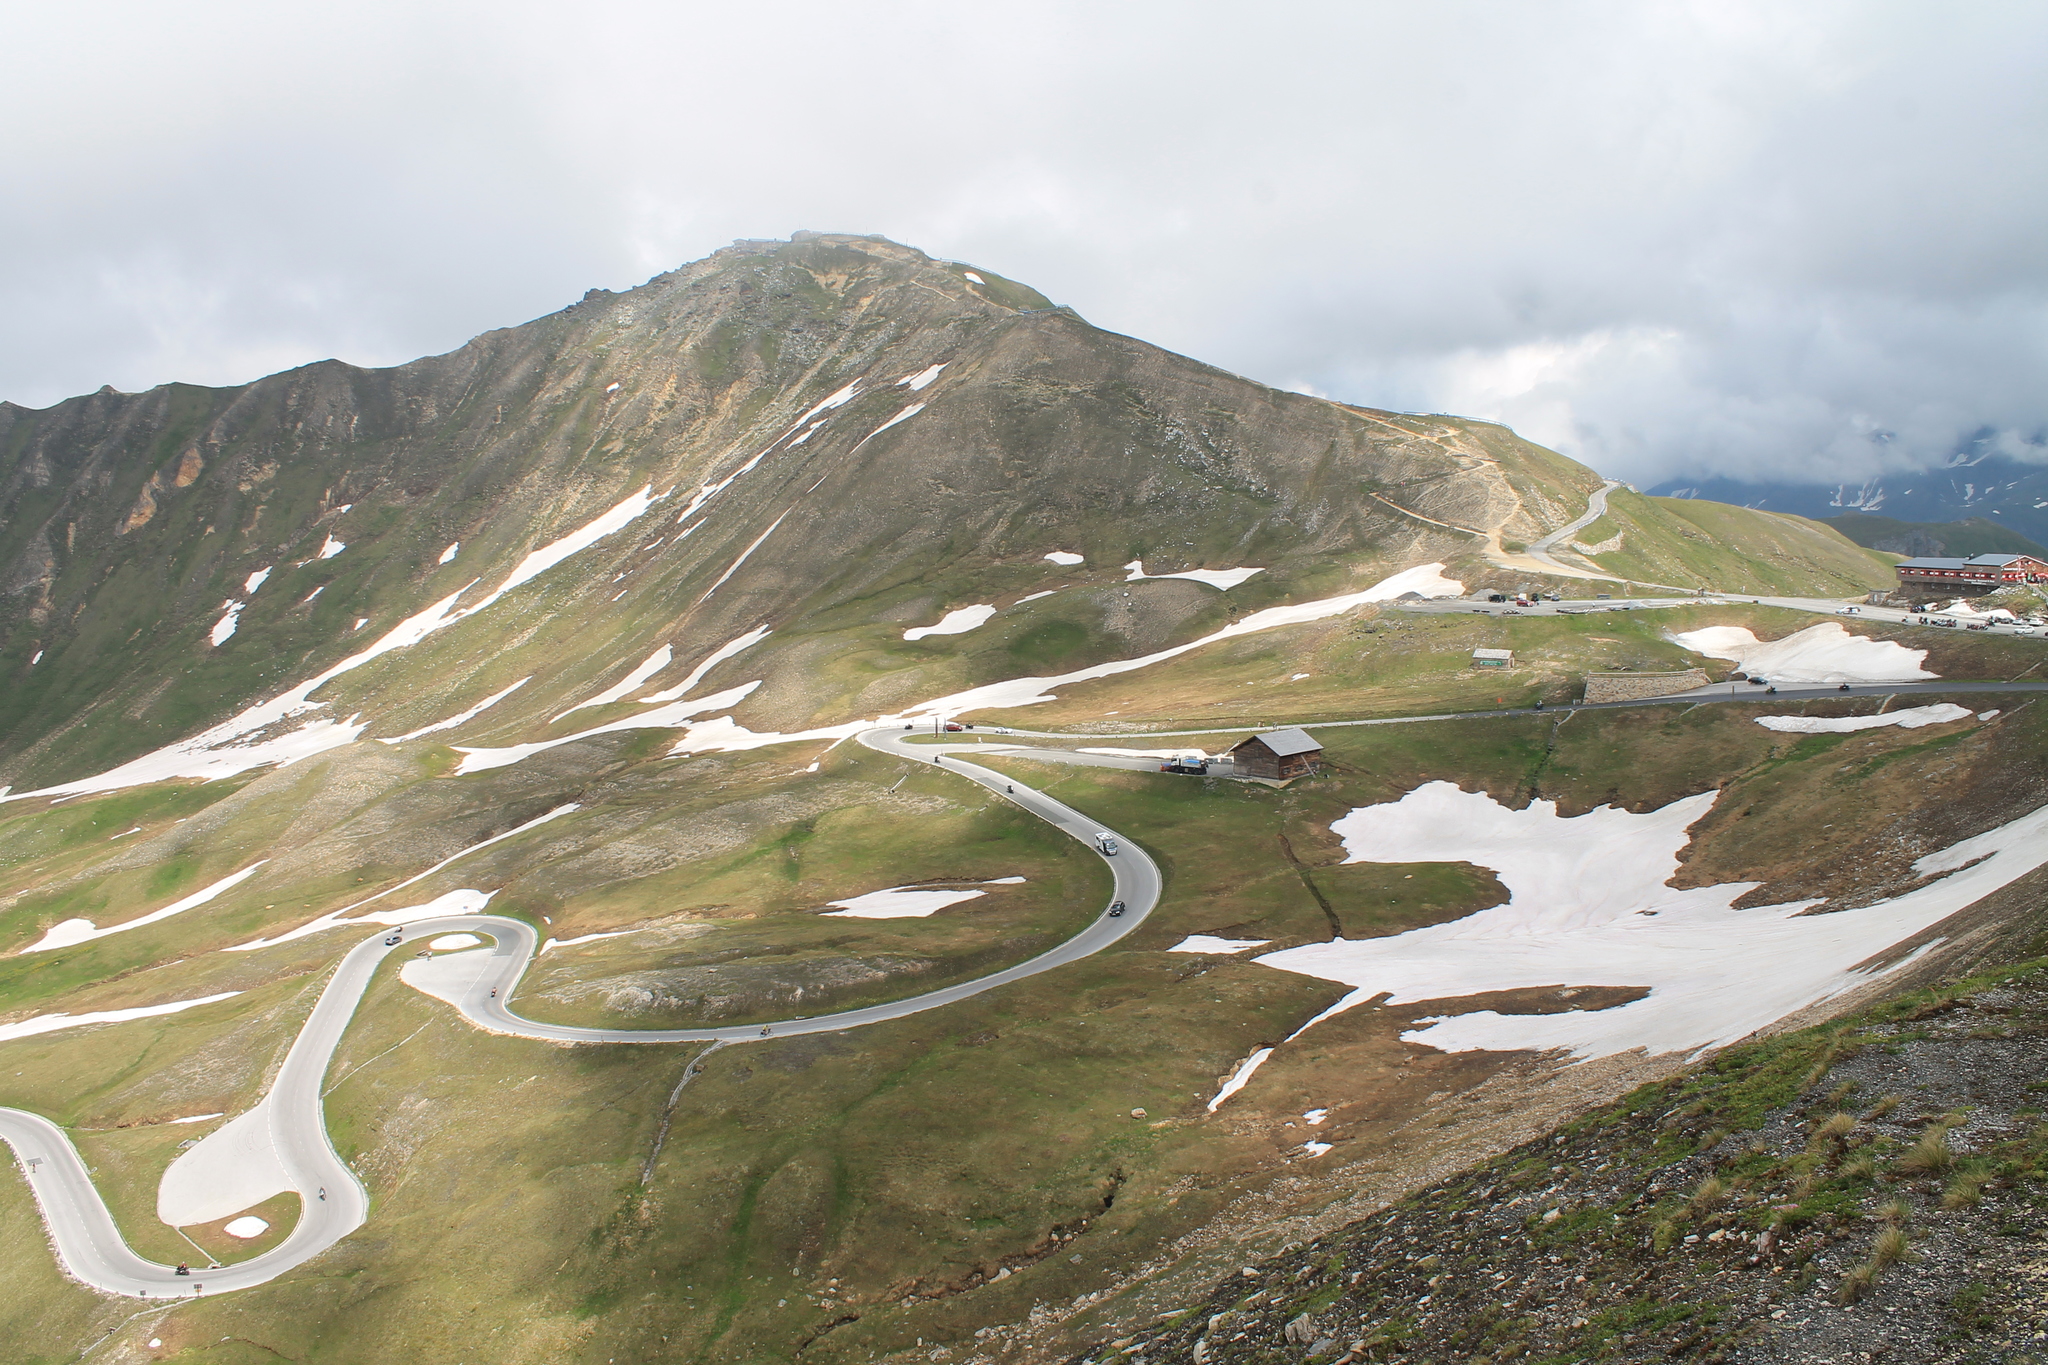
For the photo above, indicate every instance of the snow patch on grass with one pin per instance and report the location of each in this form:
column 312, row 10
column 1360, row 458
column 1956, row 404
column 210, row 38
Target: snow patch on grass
column 225, row 627
column 651, row 665
column 47, row 1023
column 1223, row 579
column 1590, row 904
column 460, row 717
column 72, row 932
column 1064, row 558
column 710, row 661
column 953, row 623
column 1911, row 719
column 1824, row 653
column 1209, row 943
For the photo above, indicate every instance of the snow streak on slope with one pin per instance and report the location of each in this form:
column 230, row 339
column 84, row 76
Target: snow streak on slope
column 460, row 717
column 214, row 753
column 711, row 661
column 670, row 717
column 454, row 898
column 1223, row 579
column 900, row 902
column 1825, row 653
column 653, row 664
column 46, row 1023
column 913, row 410
column 745, row 555
column 72, row 932
column 1064, row 558
column 1910, row 719
column 1590, row 904
column 225, row 627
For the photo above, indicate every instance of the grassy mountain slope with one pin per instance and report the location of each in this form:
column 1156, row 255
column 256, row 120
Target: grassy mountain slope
column 1960, row 539
column 1687, row 543
column 841, row 439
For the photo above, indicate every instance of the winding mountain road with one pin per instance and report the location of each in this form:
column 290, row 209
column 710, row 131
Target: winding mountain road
column 335, row 1203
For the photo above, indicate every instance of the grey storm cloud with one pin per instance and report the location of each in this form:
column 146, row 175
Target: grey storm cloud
column 1750, row 239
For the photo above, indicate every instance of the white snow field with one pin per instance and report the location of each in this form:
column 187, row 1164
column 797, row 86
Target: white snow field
column 460, row 717
column 450, row 942
column 972, row 276
column 1426, row 580
column 1913, row 718
column 214, row 753
column 49, row 1023
column 1209, row 943
column 904, row 416
column 672, row 716
column 224, row 628
column 230, row 1169
column 246, row 1227
column 72, row 932
column 953, row 623
column 1825, row 653
column 909, row 902
column 330, row 548
column 448, row 555
column 651, row 665
column 1223, row 579
column 900, row 902
column 917, row 382
column 1064, row 558
column 254, row 581
column 1590, row 905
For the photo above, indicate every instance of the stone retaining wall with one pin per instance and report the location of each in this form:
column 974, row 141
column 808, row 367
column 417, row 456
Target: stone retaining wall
column 1642, row 686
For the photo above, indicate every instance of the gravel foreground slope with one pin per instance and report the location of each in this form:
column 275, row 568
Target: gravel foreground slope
column 1868, row 1190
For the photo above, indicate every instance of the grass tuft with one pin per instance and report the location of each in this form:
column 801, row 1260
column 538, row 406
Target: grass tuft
column 1931, row 1155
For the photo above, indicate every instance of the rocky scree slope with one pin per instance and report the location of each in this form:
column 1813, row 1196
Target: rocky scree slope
column 1871, row 1189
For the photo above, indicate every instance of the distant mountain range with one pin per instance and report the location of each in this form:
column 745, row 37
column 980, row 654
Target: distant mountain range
column 1996, row 488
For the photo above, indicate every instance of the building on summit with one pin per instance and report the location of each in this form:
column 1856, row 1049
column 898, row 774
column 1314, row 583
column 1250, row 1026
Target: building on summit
column 1979, row 573
column 1277, row 754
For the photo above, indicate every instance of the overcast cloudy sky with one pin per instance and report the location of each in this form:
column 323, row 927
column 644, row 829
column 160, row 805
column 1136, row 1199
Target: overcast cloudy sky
column 1765, row 240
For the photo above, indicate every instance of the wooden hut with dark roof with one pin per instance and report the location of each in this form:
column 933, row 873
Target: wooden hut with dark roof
column 1277, row 754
